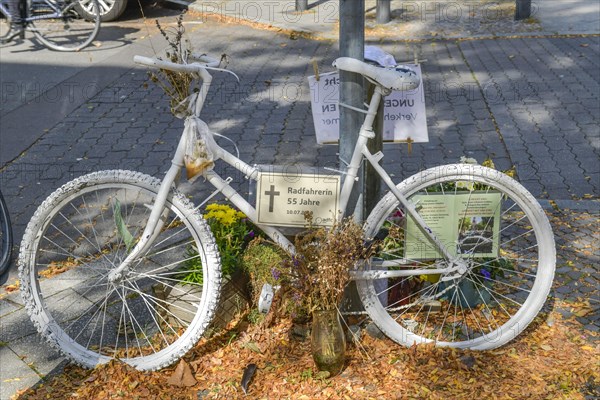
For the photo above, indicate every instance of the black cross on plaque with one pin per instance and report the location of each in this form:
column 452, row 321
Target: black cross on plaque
column 271, row 193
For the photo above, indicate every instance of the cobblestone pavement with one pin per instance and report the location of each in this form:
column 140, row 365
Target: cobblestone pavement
column 532, row 103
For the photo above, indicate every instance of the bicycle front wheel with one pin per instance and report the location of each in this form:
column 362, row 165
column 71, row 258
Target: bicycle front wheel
column 492, row 226
column 6, row 240
column 62, row 26
column 148, row 318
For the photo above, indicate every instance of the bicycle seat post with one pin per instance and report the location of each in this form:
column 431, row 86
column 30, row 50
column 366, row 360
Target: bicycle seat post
column 366, row 133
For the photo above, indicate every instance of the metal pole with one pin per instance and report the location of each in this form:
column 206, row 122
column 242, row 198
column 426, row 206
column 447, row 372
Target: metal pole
column 352, row 44
column 384, row 11
column 523, row 9
column 301, row 5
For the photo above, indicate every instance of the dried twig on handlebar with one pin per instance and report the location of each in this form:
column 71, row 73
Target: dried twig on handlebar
column 177, row 85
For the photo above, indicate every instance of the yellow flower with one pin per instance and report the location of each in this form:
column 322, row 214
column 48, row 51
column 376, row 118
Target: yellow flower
column 465, row 185
column 227, row 219
column 489, row 163
column 223, row 214
column 511, row 172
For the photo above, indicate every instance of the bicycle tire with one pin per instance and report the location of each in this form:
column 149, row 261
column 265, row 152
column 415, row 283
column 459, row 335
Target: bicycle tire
column 5, row 26
column 69, row 32
column 85, row 229
column 499, row 294
column 6, row 237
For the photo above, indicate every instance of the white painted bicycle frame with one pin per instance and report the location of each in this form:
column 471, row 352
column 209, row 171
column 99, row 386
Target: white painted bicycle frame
column 454, row 264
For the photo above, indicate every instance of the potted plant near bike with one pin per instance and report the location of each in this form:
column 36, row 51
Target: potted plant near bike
column 312, row 284
column 322, row 269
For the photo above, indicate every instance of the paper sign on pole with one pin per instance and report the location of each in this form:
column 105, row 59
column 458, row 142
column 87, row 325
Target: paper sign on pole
column 404, row 111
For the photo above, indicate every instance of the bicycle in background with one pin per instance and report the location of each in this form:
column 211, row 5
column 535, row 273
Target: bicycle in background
column 6, row 239
column 61, row 25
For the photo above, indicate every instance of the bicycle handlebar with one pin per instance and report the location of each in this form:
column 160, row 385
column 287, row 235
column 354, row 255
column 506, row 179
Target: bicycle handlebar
column 198, row 66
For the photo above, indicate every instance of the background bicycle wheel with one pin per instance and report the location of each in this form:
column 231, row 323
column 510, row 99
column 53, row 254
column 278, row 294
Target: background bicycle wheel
column 6, row 237
column 73, row 30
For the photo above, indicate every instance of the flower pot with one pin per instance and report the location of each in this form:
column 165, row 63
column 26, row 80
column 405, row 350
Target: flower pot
column 402, row 290
column 470, row 294
column 328, row 342
column 179, row 303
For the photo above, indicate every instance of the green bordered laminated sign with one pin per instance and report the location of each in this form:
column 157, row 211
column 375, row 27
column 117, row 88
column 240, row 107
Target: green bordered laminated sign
column 467, row 222
column 284, row 198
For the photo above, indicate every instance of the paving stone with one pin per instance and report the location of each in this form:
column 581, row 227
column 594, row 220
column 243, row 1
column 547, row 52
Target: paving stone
column 15, row 325
column 14, row 374
column 564, row 270
column 44, row 360
column 7, row 307
column 563, row 290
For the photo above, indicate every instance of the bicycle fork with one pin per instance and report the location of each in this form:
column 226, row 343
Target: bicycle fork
column 157, row 217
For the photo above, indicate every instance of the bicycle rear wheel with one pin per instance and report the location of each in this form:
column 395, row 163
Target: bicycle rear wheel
column 148, row 318
column 60, row 25
column 489, row 221
column 6, row 240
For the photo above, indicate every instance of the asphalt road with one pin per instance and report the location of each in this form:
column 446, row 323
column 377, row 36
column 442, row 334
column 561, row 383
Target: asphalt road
column 39, row 87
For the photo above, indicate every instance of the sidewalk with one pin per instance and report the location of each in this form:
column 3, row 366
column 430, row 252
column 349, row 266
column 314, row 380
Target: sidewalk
column 417, row 19
column 529, row 99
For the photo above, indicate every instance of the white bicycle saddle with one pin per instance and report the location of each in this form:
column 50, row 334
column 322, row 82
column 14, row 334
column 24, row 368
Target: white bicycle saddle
column 395, row 78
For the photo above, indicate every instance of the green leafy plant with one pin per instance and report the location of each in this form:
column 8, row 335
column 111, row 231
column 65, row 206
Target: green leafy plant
column 264, row 262
column 492, row 268
column 122, row 230
column 232, row 232
column 255, row 317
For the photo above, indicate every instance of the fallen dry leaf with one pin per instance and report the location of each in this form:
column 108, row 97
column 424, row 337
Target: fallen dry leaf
column 14, row 287
column 182, row 376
